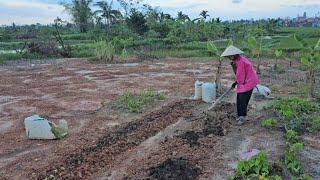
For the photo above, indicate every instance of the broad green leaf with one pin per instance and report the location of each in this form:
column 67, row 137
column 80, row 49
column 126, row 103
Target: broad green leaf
column 252, row 42
column 317, row 47
column 212, row 48
column 301, row 41
column 278, row 53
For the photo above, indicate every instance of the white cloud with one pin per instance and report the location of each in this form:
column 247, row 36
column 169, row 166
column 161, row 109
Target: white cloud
column 23, row 4
column 29, row 12
column 302, row 2
column 34, row 11
column 229, row 9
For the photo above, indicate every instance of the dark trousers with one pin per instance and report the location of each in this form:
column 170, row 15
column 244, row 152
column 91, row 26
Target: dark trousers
column 242, row 102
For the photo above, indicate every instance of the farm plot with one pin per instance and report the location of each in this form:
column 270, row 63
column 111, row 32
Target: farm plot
column 171, row 138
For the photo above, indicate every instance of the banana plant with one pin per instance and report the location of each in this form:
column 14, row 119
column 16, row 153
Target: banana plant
column 213, row 51
column 278, row 54
column 256, row 49
column 311, row 59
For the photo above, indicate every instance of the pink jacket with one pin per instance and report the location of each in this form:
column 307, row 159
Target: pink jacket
column 246, row 76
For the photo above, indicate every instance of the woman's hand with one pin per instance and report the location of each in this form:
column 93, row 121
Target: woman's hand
column 234, row 84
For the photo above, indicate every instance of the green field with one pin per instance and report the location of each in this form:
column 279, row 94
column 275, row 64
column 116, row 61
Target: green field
column 83, row 44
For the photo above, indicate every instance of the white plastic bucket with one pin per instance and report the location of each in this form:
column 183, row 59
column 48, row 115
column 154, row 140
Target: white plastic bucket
column 208, row 92
column 198, row 90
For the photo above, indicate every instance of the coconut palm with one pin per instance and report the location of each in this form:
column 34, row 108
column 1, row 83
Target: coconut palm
column 110, row 15
column 81, row 13
column 182, row 17
column 204, row 14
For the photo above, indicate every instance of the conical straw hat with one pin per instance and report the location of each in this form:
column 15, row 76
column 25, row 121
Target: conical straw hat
column 231, row 50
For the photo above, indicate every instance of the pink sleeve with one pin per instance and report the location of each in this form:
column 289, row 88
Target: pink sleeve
column 241, row 73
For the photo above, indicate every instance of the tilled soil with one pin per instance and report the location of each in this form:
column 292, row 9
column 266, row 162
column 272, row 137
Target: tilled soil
column 73, row 89
column 89, row 160
column 196, row 148
column 175, row 169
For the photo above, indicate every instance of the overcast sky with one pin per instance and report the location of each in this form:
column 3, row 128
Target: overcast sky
column 45, row 11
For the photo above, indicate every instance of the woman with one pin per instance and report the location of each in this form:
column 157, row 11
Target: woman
column 246, row 80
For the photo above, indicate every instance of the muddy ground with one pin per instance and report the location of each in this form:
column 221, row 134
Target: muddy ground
column 171, row 139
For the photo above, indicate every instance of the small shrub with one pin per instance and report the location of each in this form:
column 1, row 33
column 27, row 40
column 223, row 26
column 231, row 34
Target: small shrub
column 257, row 166
column 124, row 54
column 104, row 51
column 292, row 137
column 269, row 123
column 292, row 162
column 296, row 147
column 315, row 125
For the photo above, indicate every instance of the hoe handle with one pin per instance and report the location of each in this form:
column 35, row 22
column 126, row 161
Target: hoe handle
column 220, row 98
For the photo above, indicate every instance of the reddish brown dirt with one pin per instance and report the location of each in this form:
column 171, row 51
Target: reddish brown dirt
column 109, row 144
column 73, row 89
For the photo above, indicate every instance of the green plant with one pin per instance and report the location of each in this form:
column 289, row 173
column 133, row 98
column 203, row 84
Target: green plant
column 256, row 49
column 311, row 59
column 213, row 51
column 296, row 112
column 135, row 103
column 315, row 125
column 269, row 123
column 302, row 177
column 124, row 53
column 104, row 51
column 278, row 54
column 292, row 162
column 296, row 147
column 58, row 132
column 257, row 166
column 81, row 13
column 293, row 107
column 292, row 137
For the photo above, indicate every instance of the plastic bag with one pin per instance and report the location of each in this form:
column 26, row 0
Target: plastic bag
column 262, row 90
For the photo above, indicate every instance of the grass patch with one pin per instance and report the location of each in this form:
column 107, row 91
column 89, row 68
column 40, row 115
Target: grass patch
column 179, row 53
column 269, row 123
column 83, row 50
column 11, row 45
column 136, row 102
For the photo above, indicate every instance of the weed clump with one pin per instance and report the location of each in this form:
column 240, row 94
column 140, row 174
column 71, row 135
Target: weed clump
column 269, row 123
column 135, row 103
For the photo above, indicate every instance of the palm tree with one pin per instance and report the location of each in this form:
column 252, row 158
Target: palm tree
column 204, row 14
column 80, row 12
column 110, row 15
column 164, row 17
column 182, row 17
